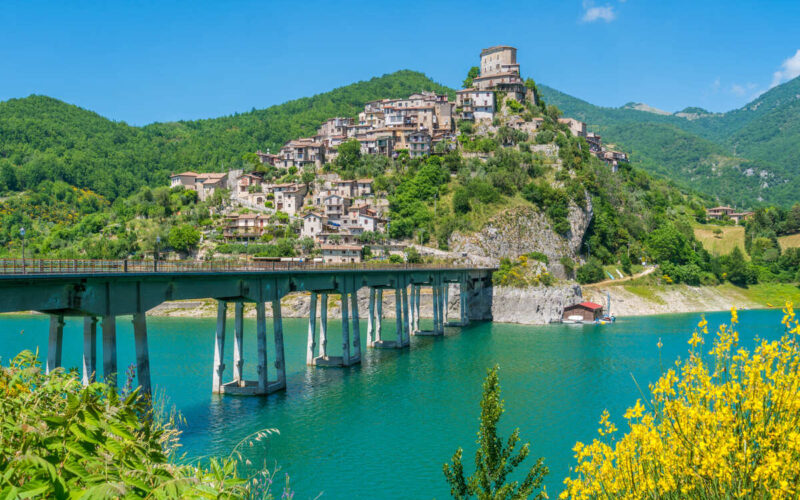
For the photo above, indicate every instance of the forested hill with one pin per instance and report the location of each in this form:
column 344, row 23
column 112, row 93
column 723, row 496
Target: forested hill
column 746, row 156
column 42, row 138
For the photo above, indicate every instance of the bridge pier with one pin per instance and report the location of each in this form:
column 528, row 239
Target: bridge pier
column 54, row 342
column 219, row 347
column 312, row 329
column 142, row 354
column 445, row 303
column 280, row 362
column 238, row 342
column 89, row 349
column 378, row 314
column 415, row 306
column 109, row 327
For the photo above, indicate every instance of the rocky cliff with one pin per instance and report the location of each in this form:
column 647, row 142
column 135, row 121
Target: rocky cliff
column 533, row 306
column 522, row 230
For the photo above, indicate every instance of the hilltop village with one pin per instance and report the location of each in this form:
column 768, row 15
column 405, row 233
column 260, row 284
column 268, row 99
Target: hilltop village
column 341, row 215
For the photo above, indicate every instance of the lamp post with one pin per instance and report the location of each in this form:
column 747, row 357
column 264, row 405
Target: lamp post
column 22, row 234
column 155, row 254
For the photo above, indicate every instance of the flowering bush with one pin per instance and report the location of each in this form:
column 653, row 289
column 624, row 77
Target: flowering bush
column 722, row 424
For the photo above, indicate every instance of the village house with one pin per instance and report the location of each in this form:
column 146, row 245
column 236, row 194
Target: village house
column 336, row 238
column 336, row 206
column 341, row 254
column 204, row 184
column 419, row 144
column 245, row 226
column 364, row 187
column 247, row 183
column 301, row 152
column 576, row 127
column 290, row 201
column 313, row 224
column 475, row 104
column 267, row 158
column 500, row 72
column 722, row 212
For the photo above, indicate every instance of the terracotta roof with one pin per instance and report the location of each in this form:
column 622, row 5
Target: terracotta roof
column 590, row 305
column 364, row 181
column 193, row 174
column 341, row 247
column 495, row 48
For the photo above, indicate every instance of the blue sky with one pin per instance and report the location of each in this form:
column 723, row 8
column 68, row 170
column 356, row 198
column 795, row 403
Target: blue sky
column 144, row 61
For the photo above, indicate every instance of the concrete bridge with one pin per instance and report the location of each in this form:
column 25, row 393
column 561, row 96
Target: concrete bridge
column 99, row 291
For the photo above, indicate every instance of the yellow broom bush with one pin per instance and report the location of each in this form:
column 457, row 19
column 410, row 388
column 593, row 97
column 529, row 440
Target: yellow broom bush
column 721, row 424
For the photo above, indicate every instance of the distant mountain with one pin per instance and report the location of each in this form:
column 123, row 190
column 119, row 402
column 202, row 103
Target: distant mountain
column 640, row 106
column 43, row 138
column 748, row 156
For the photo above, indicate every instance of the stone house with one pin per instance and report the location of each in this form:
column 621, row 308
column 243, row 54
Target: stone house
column 419, row 144
column 341, row 254
column 313, row 224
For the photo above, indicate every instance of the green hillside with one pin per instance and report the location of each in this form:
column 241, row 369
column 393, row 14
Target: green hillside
column 42, row 138
column 746, row 157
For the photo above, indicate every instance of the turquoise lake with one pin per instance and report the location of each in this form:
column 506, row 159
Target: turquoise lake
column 383, row 429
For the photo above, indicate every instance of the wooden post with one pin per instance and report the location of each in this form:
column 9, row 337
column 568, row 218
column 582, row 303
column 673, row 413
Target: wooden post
column 323, row 325
column 54, row 342
column 345, row 331
column 89, row 349
column 219, row 346
column 238, row 342
column 312, row 329
column 356, row 326
column 261, row 336
column 109, row 327
column 142, row 353
column 277, row 330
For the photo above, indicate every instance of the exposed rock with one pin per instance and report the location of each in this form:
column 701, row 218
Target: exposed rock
column 533, row 306
column 522, row 230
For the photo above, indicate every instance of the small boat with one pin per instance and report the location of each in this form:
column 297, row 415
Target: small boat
column 608, row 318
column 574, row 320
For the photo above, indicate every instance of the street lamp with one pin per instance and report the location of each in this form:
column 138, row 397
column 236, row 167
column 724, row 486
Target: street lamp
column 22, row 234
column 155, row 255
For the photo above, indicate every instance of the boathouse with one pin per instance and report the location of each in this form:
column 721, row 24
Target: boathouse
column 589, row 310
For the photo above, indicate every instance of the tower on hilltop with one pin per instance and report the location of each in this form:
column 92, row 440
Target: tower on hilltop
column 500, row 72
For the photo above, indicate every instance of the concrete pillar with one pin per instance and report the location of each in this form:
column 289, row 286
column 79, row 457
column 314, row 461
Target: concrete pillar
column 277, row 329
column 371, row 318
column 219, row 346
column 446, row 303
column 261, row 336
column 142, row 353
column 109, row 326
column 378, row 314
column 463, row 294
column 356, row 326
column 435, row 300
column 442, row 307
column 417, row 300
column 398, row 314
column 55, row 342
column 323, row 325
column 238, row 342
column 89, row 349
column 411, row 311
column 345, row 331
column 406, row 325
column 312, row 329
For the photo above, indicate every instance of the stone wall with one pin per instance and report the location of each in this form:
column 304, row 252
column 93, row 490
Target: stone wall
column 533, row 306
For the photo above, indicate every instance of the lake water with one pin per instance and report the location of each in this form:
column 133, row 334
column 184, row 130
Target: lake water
column 383, row 429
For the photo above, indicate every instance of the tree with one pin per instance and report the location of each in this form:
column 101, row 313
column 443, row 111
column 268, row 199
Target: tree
column 461, row 200
column 183, row 237
column 591, row 272
column 349, row 153
column 473, row 73
column 493, row 461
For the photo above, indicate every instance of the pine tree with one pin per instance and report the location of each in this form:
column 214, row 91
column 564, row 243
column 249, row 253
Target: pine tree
column 493, row 461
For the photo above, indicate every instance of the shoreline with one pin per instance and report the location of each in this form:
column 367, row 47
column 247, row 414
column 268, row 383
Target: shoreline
column 627, row 300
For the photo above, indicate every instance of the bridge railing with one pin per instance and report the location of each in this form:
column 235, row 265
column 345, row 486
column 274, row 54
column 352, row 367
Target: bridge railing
column 78, row 266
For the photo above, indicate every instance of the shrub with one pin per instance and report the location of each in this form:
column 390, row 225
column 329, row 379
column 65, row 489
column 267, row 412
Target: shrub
column 461, row 201
column 494, row 460
column 722, row 424
column 60, row 439
column 184, row 237
column 591, row 272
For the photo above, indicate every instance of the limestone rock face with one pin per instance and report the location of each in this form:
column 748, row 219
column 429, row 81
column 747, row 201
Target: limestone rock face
column 522, row 230
column 533, row 306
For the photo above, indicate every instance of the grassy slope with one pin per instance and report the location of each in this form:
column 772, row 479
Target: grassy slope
column 732, row 236
column 790, row 241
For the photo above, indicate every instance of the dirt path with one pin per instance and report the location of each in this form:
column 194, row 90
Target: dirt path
column 622, row 280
